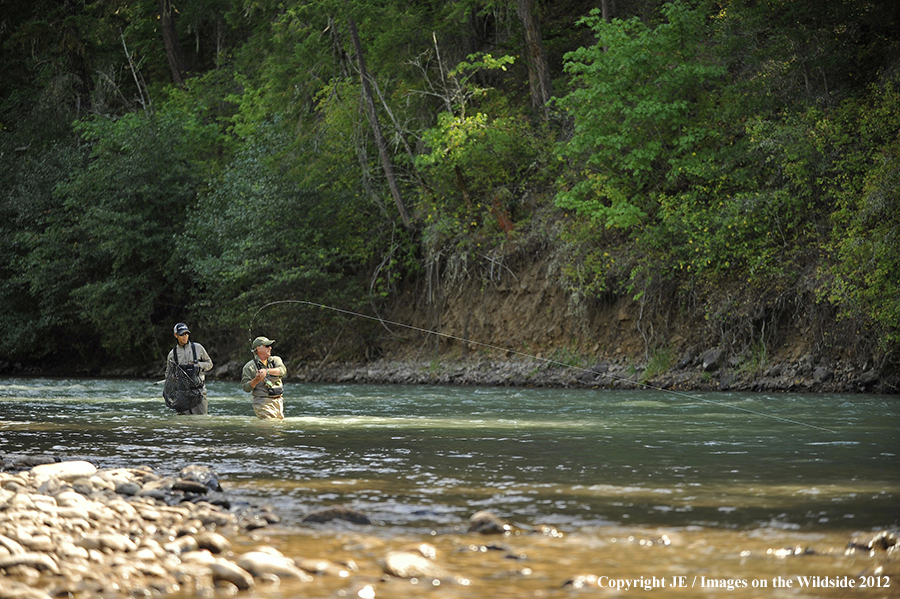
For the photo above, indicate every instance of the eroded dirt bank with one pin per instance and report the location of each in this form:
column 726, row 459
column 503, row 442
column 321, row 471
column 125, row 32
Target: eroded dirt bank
column 524, row 329
column 511, row 321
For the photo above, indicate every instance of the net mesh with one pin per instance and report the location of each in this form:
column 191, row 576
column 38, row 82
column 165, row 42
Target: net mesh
column 183, row 390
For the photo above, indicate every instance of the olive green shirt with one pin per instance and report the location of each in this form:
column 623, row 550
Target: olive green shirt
column 276, row 369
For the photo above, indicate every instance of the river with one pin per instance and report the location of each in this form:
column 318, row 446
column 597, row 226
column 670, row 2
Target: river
column 694, row 492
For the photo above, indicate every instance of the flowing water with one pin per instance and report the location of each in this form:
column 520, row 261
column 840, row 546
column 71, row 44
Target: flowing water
column 700, row 493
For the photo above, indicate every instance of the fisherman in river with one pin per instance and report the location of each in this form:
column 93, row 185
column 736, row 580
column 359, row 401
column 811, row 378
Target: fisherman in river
column 262, row 378
column 186, row 368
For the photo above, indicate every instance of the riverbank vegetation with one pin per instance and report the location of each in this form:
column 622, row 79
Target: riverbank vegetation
column 162, row 162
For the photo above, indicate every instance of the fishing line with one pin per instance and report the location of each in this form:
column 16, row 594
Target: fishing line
column 533, row 357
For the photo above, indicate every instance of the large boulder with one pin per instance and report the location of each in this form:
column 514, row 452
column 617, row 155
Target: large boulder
column 712, row 359
column 822, row 374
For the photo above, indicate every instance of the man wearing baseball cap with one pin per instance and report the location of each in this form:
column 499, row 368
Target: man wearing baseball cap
column 186, row 368
column 261, row 378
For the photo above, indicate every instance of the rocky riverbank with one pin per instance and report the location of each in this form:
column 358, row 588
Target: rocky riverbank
column 710, row 371
column 69, row 529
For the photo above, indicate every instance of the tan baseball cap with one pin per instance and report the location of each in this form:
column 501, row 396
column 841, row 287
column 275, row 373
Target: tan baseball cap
column 262, row 341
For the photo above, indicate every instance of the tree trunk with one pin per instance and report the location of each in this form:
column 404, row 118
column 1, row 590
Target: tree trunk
column 369, row 103
column 170, row 40
column 538, row 69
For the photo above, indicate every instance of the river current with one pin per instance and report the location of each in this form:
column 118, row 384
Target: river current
column 640, row 484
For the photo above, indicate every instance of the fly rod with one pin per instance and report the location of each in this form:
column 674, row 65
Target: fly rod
column 531, row 356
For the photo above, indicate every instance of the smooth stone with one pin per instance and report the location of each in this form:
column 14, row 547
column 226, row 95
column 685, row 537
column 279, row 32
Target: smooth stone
column 405, row 564
column 11, row 545
column 112, row 541
column 213, row 542
column 41, row 543
column 202, row 557
column 67, row 471
column 101, row 484
column 72, row 513
column 70, row 498
column 259, row 563
column 486, row 523
column 190, row 486
column 128, row 488
column 71, row 550
column 323, row 566
column 181, row 545
column 222, row 569
column 203, row 475
column 39, row 561
column 337, row 513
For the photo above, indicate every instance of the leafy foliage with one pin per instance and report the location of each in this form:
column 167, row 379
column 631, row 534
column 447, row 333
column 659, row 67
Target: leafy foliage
column 110, row 255
column 740, row 156
column 642, row 114
column 864, row 139
column 262, row 232
column 36, row 319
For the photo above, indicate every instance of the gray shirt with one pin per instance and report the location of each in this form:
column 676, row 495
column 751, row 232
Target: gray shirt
column 186, row 356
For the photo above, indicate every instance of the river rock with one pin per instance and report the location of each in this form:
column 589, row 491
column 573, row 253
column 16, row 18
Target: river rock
column 65, row 470
column 712, row 359
column 223, row 569
column 326, row 567
column 113, row 542
column 74, row 530
column 201, row 557
column 181, row 545
column 190, row 486
column 201, row 474
column 488, row 523
column 869, row 377
column 128, row 488
column 39, row 561
column 10, row 546
column 408, row 564
column 212, row 542
column 260, row 563
column 337, row 513
column 17, row 462
column 822, row 374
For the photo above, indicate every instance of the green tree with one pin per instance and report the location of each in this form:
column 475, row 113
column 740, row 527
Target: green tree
column 109, row 257
column 35, row 322
column 643, row 114
column 266, row 232
column 863, row 139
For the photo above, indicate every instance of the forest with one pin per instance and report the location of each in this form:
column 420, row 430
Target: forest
column 165, row 161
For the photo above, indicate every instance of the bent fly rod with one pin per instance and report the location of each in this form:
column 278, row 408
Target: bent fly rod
column 531, row 356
